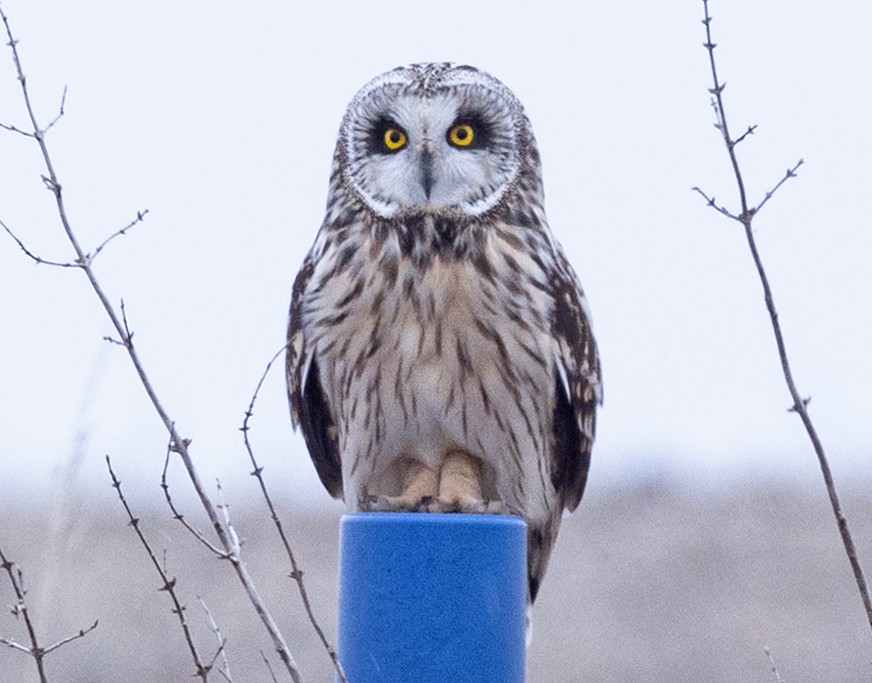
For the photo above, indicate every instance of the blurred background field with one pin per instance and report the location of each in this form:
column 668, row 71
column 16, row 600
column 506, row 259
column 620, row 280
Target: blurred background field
column 653, row 583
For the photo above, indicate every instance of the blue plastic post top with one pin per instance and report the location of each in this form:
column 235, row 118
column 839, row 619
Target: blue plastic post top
column 432, row 598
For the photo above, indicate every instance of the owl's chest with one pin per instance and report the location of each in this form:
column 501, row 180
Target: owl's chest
column 436, row 336
column 430, row 317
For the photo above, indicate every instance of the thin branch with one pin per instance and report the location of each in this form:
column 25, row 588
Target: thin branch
column 269, row 668
column 180, row 444
column 15, row 646
column 178, row 516
column 36, row 259
column 222, row 642
column 711, row 202
column 112, row 340
column 140, row 216
column 168, row 584
column 60, row 113
column 89, row 258
column 296, row 573
column 791, row 173
column 800, row 404
column 13, row 129
column 748, row 132
column 81, row 634
column 228, row 524
column 20, row 609
column 772, row 665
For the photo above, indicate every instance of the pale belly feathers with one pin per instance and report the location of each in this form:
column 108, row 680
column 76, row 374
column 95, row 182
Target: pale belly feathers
column 440, row 363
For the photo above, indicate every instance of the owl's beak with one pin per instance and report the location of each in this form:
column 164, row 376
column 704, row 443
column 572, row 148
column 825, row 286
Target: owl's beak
column 426, row 170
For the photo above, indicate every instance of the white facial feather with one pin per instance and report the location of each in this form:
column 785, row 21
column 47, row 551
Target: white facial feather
column 471, row 179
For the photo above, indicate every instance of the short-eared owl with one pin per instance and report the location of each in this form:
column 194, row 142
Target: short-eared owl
column 440, row 351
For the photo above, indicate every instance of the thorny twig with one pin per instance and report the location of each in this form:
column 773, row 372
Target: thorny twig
column 127, row 338
column 746, row 217
column 180, row 444
column 34, row 257
column 296, row 573
column 178, row 516
column 63, row 641
column 89, row 258
column 19, row 609
column 15, row 129
column 168, row 584
column 140, row 216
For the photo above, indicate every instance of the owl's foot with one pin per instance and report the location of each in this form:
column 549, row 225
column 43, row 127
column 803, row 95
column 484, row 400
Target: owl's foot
column 420, row 486
column 460, row 487
column 397, row 504
column 460, row 480
column 456, row 487
column 477, row 507
column 431, row 504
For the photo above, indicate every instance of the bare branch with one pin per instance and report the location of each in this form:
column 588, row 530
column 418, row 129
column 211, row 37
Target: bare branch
column 225, row 512
column 800, row 405
column 717, row 207
column 178, row 516
column 140, row 216
column 13, row 129
column 748, row 132
column 60, row 112
column 36, row 259
column 296, row 573
column 180, row 444
column 222, row 642
column 773, row 667
column 89, row 258
column 15, row 646
column 791, row 173
column 718, row 103
column 81, row 634
column 269, row 668
column 20, row 609
column 167, row 584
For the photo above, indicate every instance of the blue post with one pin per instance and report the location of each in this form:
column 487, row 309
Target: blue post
column 432, row 598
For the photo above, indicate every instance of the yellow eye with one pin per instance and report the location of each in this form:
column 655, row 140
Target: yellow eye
column 461, row 135
column 394, row 139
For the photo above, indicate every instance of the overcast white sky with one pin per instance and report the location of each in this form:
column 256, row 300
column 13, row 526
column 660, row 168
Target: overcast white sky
column 220, row 119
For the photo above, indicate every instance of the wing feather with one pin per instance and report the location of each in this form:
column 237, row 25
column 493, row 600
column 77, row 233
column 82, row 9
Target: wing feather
column 578, row 384
column 309, row 408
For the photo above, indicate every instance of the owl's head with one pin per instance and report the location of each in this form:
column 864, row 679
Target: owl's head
column 433, row 137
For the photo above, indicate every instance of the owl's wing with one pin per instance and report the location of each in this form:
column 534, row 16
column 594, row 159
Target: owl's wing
column 309, row 408
column 579, row 385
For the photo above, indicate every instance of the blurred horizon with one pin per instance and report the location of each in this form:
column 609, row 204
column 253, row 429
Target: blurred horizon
column 643, row 585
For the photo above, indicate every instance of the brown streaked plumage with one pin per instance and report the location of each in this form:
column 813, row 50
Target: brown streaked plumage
column 441, row 354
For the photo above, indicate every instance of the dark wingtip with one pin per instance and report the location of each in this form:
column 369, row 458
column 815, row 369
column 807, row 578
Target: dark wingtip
column 534, row 588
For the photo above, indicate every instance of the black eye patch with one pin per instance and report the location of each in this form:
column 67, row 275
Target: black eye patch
column 481, row 129
column 386, row 136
